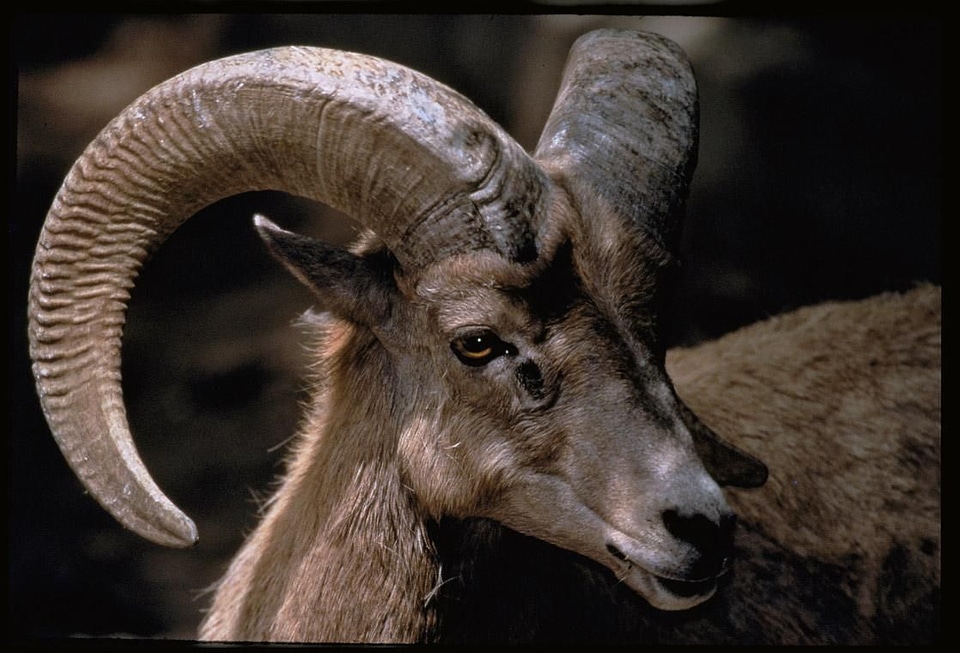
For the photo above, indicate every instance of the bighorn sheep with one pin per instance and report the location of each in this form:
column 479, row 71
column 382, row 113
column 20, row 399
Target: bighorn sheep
column 490, row 356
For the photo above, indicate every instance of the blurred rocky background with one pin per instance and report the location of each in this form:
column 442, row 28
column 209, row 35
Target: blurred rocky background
column 819, row 178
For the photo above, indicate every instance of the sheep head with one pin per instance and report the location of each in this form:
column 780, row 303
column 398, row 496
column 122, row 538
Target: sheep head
column 512, row 298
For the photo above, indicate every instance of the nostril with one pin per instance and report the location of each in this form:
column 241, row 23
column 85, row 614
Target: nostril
column 712, row 539
column 696, row 529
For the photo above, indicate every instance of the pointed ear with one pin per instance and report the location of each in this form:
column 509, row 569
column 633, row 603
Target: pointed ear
column 727, row 464
column 352, row 287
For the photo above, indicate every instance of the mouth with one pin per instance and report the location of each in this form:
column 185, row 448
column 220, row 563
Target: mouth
column 661, row 591
column 668, row 572
column 688, row 589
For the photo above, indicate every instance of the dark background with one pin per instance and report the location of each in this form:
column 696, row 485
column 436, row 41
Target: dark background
column 819, row 178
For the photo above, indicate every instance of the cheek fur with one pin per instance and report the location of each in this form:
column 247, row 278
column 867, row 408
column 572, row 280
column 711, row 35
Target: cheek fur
column 455, row 465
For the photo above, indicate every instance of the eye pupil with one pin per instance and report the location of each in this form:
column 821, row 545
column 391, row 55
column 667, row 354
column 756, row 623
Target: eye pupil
column 478, row 348
column 477, row 345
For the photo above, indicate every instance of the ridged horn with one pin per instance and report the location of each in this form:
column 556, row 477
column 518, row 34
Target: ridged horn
column 624, row 128
column 406, row 156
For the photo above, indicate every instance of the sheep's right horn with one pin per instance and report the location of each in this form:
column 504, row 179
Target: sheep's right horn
column 411, row 159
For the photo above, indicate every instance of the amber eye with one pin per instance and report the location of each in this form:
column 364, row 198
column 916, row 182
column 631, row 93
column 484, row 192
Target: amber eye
column 479, row 347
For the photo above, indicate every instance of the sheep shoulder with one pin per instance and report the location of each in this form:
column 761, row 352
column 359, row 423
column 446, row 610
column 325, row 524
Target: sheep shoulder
column 842, row 402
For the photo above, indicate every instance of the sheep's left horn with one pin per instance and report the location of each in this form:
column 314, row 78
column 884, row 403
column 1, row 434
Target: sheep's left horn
column 623, row 130
column 623, row 137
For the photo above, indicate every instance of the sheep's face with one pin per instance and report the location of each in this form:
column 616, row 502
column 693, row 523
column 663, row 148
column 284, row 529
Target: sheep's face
column 535, row 395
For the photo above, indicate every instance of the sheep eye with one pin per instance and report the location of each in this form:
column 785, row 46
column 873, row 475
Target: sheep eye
column 479, row 347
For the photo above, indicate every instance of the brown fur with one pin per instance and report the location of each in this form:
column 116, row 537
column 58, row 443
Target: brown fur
column 842, row 401
column 313, row 549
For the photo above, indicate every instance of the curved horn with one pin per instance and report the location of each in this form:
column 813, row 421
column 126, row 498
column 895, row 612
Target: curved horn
column 624, row 128
column 411, row 159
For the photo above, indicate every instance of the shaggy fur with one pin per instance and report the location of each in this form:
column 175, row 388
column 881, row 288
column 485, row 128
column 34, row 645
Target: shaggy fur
column 842, row 401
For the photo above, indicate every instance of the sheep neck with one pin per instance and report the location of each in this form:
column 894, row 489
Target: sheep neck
column 342, row 553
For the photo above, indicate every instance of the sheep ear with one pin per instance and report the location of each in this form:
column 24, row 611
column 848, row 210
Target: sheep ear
column 349, row 286
column 727, row 464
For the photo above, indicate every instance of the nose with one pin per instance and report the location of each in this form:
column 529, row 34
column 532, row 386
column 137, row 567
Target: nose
column 711, row 538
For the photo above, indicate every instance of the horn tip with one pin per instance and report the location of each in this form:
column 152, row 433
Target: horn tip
column 159, row 521
column 178, row 531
